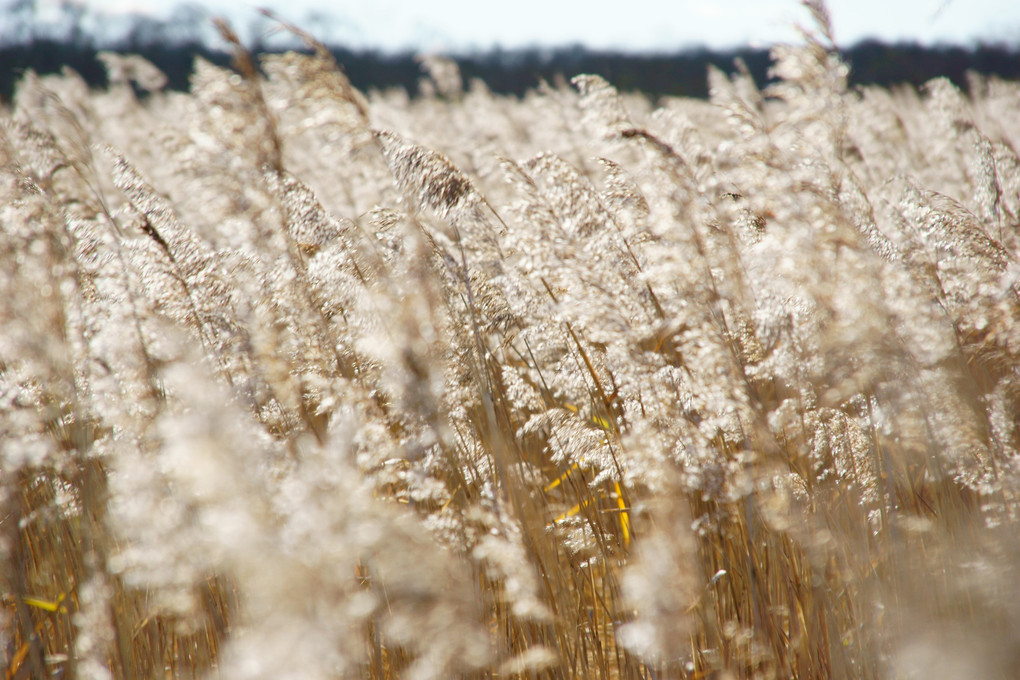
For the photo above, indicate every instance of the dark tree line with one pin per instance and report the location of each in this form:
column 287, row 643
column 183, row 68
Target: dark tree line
column 514, row 72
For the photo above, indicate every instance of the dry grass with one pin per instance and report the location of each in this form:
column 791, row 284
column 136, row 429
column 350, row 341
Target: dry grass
column 298, row 382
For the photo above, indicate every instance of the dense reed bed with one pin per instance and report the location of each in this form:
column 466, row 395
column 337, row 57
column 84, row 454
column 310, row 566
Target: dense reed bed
column 302, row 382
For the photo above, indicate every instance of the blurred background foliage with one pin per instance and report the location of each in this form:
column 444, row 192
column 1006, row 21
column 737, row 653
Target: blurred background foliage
column 71, row 35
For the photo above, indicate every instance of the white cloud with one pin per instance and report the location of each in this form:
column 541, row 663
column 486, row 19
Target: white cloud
column 632, row 24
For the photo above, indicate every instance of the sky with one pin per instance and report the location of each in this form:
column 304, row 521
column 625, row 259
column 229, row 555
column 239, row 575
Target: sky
column 631, row 25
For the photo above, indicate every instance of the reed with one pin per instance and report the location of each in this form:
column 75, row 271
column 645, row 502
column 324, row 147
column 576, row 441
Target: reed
column 303, row 382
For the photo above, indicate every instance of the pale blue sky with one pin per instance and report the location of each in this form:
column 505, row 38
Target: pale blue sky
column 628, row 24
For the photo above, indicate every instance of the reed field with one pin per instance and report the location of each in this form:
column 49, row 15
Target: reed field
column 303, row 382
